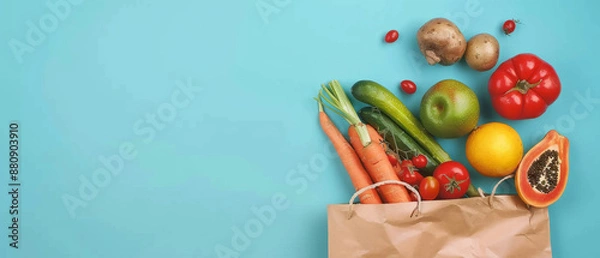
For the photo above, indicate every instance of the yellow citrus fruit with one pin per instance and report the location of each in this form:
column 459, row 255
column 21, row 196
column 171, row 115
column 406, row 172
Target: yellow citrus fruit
column 494, row 149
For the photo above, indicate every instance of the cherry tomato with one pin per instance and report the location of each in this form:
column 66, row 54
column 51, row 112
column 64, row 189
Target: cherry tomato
column 509, row 26
column 393, row 159
column 407, row 163
column 429, row 188
column 391, row 36
column 454, row 179
column 408, row 86
column 411, row 176
column 413, row 196
column 420, row 161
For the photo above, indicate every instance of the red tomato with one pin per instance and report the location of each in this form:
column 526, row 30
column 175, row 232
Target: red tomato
column 392, row 159
column 407, row 163
column 411, row 176
column 420, row 161
column 453, row 178
column 413, row 196
column 408, row 86
column 509, row 26
column 391, row 36
column 429, row 188
column 523, row 87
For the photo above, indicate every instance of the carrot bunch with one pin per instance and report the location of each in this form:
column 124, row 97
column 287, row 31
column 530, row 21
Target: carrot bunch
column 363, row 156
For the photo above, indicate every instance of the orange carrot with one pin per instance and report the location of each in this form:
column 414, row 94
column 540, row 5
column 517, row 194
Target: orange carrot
column 367, row 144
column 377, row 138
column 358, row 175
column 398, row 169
column 377, row 164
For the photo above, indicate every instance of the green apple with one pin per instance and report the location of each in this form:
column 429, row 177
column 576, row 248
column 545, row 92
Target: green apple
column 449, row 109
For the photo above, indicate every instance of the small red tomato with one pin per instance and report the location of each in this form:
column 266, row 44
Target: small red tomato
column 509, row 26
column 429, row 188
column 407, row 163
column 408, row 86
column 413, row 196
column 392, row 159
column 420, row 161
column 391, row 36
column 411, row 176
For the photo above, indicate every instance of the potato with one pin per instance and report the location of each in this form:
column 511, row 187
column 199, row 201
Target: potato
column 440, row 41
column 482, row 52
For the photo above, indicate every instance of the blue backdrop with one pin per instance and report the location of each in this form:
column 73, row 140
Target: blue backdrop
column 162, row 128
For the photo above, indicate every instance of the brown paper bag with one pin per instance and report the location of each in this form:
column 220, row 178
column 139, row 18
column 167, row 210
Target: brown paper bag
column 491, row 227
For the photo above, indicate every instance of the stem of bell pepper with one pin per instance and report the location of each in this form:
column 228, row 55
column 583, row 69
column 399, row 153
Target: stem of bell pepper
column 523, row 86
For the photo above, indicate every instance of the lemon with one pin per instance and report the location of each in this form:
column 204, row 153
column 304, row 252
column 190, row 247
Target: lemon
column 494, row 149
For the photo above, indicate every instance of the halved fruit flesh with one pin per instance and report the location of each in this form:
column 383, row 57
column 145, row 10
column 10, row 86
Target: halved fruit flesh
column 543, row 173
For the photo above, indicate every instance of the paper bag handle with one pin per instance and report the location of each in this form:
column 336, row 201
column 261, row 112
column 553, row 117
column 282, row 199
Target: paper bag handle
column 494, row 189
column 415, row 212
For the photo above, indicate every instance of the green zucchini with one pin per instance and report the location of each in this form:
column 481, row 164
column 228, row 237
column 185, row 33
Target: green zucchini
column 398, row 140
column 376, row 95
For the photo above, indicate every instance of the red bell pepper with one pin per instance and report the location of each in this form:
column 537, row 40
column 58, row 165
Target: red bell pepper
column 523, row 87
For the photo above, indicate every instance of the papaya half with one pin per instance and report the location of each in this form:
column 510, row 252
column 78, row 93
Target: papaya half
column 542, row 175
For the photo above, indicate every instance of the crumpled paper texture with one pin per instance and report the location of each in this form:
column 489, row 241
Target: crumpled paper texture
column 467, row 227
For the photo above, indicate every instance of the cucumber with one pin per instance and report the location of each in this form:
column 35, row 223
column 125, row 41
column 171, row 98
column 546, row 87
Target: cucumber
column 397, row 139
column 376, row 95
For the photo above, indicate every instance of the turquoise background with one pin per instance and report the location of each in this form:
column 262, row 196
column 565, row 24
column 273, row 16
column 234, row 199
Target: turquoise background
column 243, row 132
